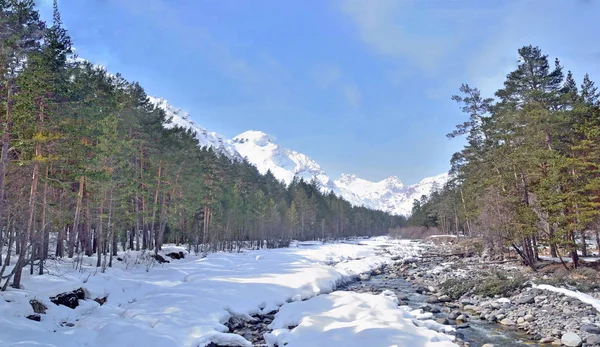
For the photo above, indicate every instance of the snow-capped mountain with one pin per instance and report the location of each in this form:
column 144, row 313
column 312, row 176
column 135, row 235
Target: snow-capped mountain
column 388, row 195
column 206, row 138
column 260, row 149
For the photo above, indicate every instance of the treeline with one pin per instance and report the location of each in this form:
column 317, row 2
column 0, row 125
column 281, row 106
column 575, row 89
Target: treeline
column 529, row 175
column 87, row 167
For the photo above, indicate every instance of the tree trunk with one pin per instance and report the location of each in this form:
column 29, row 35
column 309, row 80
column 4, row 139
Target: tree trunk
column 462, row 198
column 25, row 239
column 43, row 233
column 4, row 160
column 99, row 232
column 155, row 208
column 574, row 255
column 76, row 218
column 584, row 252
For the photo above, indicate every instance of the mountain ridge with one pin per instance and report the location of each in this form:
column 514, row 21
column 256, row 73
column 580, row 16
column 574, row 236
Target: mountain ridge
column 261, row 150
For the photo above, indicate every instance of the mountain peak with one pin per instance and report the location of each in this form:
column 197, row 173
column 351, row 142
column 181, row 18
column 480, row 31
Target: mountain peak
column 393, row 181
column 347, row 178
column 256, row 136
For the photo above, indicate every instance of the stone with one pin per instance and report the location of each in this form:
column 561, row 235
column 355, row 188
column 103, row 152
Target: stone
column 454, row 315
column 571, row 339
column 433, row 300
column 421, row 290
column 529, row 318
column 364, row 277
column 527, row 299
column 593, row 340
column 444, row 298
column 467, row 302
column 442, row 320
column 471, row 308
column 520, row 320
column 487, row 345
column 507, row 322
column 588, row 328
column 402, row 297
column 434, row 310
column 540, row 298
column 547, row 339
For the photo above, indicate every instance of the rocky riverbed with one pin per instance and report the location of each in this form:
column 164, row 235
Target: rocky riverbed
column 476, row 290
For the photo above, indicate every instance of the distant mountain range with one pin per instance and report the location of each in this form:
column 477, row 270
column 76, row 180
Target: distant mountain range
column 260, row 149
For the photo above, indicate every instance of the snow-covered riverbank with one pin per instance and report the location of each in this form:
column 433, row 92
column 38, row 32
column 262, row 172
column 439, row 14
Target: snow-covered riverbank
column 187, row 302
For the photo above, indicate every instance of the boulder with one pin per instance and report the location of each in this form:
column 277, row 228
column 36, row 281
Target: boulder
column 527, row 299
column 444, row 298
column 433, row 300
column 593, row 340
column 588, row 328
column 571, row 340
column 507, row 322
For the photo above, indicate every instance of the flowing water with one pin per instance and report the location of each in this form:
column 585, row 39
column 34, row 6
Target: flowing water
column 475, row 331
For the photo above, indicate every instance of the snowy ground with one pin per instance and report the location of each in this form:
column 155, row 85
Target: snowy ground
column 186, row 302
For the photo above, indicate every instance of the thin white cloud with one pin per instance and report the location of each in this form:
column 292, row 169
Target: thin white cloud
column 331, row 77
column 352, row 94
column 380, row 26
column 260, row 74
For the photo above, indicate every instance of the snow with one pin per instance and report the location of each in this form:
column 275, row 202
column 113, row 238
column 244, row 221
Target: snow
column 352, row 320
column 585, row 298
column 186, row 302
column 567, row 259
column 262, row 150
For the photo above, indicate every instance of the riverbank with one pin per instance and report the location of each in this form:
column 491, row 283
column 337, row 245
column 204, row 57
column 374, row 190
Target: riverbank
column 506, row 293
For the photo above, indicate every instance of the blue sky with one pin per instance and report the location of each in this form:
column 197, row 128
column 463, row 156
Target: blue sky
column 361, row 86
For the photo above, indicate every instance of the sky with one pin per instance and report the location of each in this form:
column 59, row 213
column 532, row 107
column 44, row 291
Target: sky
column 361, row 86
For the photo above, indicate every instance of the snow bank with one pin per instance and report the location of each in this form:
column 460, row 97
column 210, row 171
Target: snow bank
column 585, row 298
column 352, row 320
column 186, row 302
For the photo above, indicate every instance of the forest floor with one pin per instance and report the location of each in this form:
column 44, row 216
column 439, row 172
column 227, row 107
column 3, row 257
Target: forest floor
column 193, row 301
